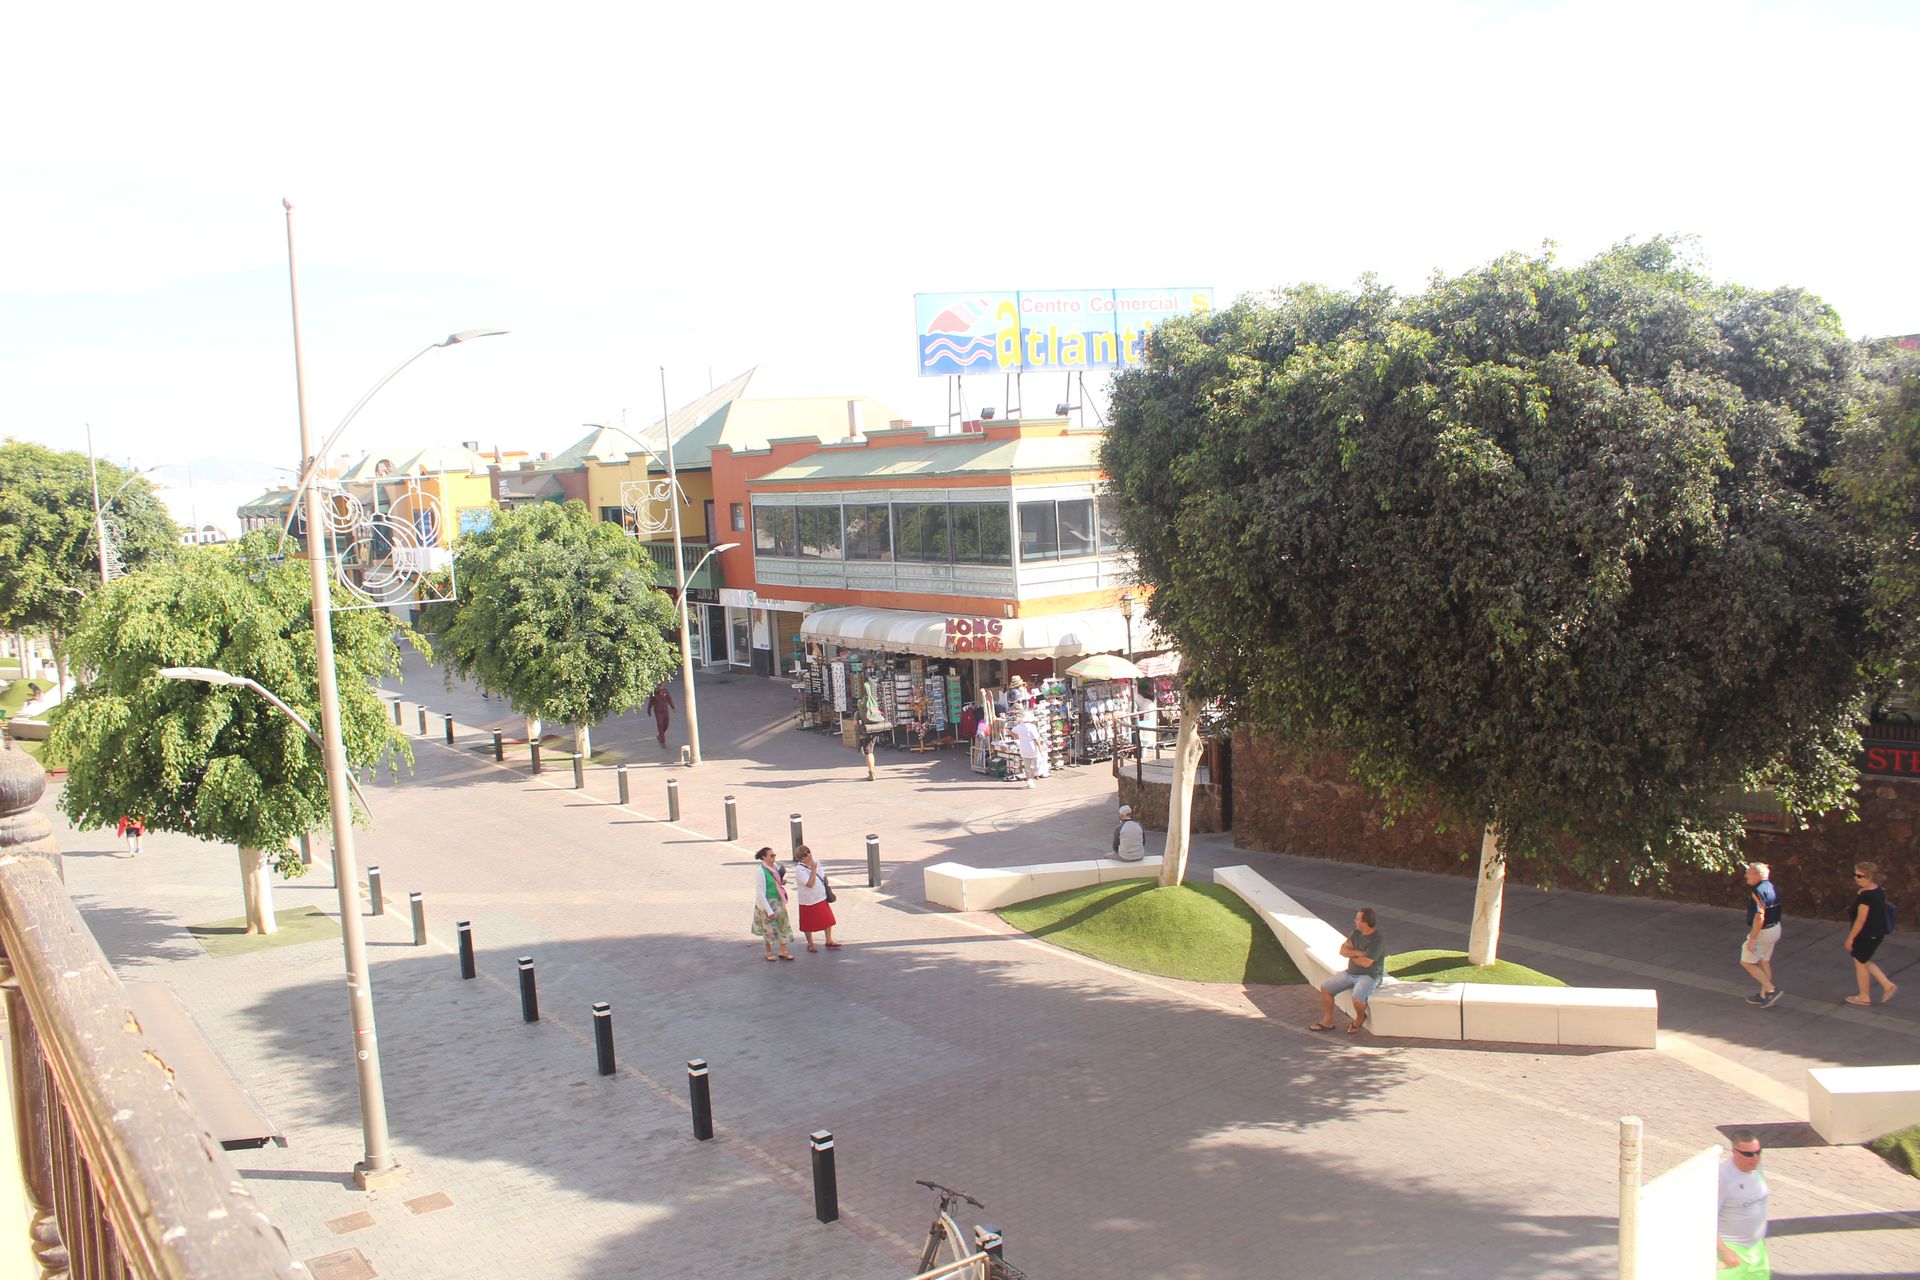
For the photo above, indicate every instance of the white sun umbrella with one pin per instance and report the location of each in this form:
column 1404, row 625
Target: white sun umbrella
column 1105, row 666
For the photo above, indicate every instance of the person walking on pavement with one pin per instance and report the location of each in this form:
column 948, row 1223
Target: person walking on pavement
column 1129, row 838
column 866, row 749
column 1763, row 933
column 816, row 899
column 659, row 705
column 1871, row 925
column 771, row 924
column 133, row 829
column 1366, row 953
column 1028, row 740
column 1741, row 1231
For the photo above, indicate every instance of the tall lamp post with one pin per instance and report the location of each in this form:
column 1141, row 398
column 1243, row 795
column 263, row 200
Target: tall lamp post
column 1133, row 686
column 378, row 1168
column 680, row 576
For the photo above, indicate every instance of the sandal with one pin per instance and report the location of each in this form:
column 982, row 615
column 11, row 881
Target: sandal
column 1887, row 995
column 1356, row 1028
column 1858, row 1000
column 833, row 946
column 769, row 958
column 785, row 956
column 1321, row 1026
column 811, row 947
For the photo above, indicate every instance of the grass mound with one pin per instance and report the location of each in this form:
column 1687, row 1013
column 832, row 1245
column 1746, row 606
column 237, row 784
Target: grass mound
column 1200, row 932
column 1901, row 1149
column 1452, row 966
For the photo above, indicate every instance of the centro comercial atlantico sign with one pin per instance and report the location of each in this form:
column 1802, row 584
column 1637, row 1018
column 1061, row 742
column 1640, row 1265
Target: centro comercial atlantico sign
column 1071, row 329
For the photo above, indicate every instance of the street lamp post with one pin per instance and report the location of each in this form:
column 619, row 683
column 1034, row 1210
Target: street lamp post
column 378, row 1168
column 680, row 576
column 1133, row 686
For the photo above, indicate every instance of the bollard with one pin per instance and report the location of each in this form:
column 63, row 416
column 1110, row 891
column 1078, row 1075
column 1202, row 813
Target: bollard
column 1631, row 1132
column 793, row 830
column 673, row 800
column 533, row 746
column 306, row 851
column 499, row 746
column 700, row 1094
column 529, row 996
column 449, row 728
column 826, row 1190
column 988, row 1240
column 603, row 1036
column 375, row 897
column 873, row 862
column 733, row 819
column 423, row 721
column 579, row 772
column 620, row 776
column 686, row 757
column 418, row 906
column 396, row 713
column 466, row 947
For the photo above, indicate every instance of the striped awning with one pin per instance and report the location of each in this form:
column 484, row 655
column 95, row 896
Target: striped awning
column 1057, row 635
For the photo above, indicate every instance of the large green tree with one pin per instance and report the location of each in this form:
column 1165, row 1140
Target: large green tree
column 1879, row 470
column 1549, row 545
column 558, row 614
column 49, row 544
column 211, row 761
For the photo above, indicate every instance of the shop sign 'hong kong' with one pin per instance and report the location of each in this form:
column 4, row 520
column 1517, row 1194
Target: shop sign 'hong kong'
column 973, row 635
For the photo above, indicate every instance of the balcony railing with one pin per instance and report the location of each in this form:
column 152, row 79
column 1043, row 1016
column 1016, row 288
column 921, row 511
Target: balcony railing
column 690, row 552
column 122, row 1178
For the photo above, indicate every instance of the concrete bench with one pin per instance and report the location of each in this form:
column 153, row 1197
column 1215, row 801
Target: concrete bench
column 1859, row 1104
column 27, row 729
column 963, row 888
column 1602, row 1017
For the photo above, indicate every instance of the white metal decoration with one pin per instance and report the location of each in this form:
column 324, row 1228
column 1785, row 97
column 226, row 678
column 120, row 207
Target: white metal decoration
column 646, row 506
column 389, row 557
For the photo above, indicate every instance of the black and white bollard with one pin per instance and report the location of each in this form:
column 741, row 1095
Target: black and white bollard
column 673, row 800
column 603, row 1036
column 529, row 995
column 449, row 729
column 418, row 905
column 793, row 830
column 377, row 901
column 499, row 746
column 423, row 721
column 533, row 747
column 626, row 790
column 579, row 772
column 700, row 1094
column 466, row 947
column 686, row 757
column 306, row 851
column 826, row 1189
column 733, row 819
column 396, row 713
column 873, row 862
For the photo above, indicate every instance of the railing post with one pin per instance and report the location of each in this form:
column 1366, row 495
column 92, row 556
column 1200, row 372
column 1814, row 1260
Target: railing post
column 499, row 746
column 529, row 995
column 700, row 1095
column 376, row 900
column 620, row 776
column 873, row 862
column 826, row 1188
column 673, row 800
column 418, row 906
column 733, row 819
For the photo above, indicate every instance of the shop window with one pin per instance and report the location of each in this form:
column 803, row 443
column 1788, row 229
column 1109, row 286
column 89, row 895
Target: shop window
column 739, row 510
column 1076, row 528
column 774, row 532
column 1108, row 534
column 1039, row 531
column 868, row 535
column 819, row 532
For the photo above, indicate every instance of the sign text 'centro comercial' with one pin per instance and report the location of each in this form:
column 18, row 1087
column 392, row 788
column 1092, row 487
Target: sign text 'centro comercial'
column 1054, row 329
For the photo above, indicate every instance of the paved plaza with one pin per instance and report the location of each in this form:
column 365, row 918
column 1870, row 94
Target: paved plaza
column 1115, row 1124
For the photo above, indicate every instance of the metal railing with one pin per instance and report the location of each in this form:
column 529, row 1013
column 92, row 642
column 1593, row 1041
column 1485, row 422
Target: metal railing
column 122, row 1178
column 662, row 555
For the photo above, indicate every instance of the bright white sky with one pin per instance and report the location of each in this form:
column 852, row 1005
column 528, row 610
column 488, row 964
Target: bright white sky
column 710, row 187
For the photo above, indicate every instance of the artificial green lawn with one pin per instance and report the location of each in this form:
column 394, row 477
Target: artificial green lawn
column 1452, row 966
column 230, row 937
column 1200, row 932
column 1901, row 1149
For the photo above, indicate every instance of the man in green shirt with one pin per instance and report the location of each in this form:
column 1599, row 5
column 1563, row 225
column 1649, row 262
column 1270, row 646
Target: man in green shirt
column 1366, row 953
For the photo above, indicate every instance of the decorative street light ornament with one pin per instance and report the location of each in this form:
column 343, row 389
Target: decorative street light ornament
column 390, row 557
column 646, row 506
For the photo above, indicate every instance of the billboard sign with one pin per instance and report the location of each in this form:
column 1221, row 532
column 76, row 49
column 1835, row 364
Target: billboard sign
column 1053, row 329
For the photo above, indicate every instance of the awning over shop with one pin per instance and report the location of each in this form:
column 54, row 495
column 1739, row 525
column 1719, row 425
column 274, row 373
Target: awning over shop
column 1058, row 635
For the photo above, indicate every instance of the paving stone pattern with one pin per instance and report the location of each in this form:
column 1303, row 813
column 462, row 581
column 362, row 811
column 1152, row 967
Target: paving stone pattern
column 1115, row 1124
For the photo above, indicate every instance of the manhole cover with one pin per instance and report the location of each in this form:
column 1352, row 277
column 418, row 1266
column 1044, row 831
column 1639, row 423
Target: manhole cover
column 352, row 1222
column 429, row 1204
column 348, row 1264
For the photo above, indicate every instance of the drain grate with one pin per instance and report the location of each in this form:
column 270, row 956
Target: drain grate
column 429, row 1204
column 348, row 1264
column 352, row 1222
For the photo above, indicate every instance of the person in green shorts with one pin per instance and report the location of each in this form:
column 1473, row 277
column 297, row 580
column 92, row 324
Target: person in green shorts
column 1742, row 1227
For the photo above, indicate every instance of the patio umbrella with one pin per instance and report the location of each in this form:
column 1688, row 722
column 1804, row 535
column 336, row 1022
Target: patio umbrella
column 1104, row 666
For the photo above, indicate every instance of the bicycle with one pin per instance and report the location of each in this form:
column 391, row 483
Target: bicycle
column 968, row 1260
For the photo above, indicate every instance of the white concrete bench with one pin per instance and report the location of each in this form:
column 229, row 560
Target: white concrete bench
column 964, row 888
column 1593, row 1016
column 1859, row 1104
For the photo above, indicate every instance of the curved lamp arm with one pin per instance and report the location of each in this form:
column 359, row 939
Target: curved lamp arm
column 212, row 675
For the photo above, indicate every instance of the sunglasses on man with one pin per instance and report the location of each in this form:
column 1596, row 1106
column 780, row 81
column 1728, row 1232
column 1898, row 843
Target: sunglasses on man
column 1751, row 1155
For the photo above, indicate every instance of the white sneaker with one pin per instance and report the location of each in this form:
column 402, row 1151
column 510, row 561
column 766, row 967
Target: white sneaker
column 1029, row 784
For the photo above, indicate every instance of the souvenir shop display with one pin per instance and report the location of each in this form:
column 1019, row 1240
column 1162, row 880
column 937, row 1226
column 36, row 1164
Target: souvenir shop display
column 1104, row 708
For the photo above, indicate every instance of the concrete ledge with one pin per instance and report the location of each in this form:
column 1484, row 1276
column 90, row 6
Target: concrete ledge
column 963, row 888
column 1859, row 1104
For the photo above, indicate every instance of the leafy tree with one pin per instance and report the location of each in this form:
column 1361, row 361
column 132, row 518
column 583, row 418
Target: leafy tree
column 49, row 548
column 557, row 614
column 1879, row 471
column 1549, row 545
column 211, row 761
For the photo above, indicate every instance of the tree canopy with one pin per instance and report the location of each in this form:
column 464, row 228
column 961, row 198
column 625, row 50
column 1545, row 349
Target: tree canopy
column 1879, row 470
column 1550, row 545
column 49, row 551
column 211, row 761
column 557, row 613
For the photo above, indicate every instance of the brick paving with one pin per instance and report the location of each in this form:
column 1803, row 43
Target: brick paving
column 1115, row 1124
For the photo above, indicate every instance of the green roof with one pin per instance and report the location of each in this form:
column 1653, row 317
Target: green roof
column 944, row 456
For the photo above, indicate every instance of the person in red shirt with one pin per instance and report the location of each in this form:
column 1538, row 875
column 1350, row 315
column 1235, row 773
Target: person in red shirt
column 659, row 705
column 132, row 828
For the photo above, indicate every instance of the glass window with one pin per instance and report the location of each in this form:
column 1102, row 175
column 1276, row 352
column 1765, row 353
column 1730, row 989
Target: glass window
column 868, row 537
column 934, row 546
column 996, row 537
column 820, row 532
column 907, row 521
column 611, row 515
column 773, row 531
column 965, row 522
column 739, row 511
column 1110, row 538
column 979, row 532
column 1039, row 531
column 1076, row 527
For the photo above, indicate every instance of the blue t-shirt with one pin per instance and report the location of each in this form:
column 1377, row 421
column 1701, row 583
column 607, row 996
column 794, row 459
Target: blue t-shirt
column 1771, row 897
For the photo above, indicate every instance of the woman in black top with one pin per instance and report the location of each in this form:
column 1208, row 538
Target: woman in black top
column 1869, row 929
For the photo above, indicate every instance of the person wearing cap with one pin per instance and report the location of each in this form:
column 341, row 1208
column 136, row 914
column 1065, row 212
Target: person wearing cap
column 1129, row 838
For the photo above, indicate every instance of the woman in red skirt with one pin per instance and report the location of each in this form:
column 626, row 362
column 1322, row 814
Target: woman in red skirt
column 816, row 913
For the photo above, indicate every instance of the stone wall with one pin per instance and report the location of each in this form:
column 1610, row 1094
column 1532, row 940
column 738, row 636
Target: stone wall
column 1151, row 799
column 1289, row 802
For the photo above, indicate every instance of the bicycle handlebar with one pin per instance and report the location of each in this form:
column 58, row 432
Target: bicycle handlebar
column 948, row 1192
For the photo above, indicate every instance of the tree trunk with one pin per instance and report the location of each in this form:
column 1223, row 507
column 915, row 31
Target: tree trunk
column 1186, row 764
column 1484, row 947
column 583, row 739
column 256, row 883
